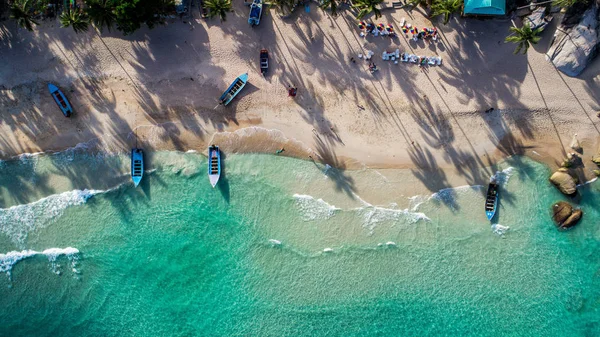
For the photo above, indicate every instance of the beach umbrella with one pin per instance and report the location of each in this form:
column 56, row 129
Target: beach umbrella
column 389, row 28
column 361, row 25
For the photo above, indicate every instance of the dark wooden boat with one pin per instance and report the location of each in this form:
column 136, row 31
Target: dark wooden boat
column 491, row 200
column 264, row 61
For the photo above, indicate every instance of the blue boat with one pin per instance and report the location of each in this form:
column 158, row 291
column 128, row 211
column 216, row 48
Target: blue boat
column 137, row 165
column 255, row 12
column 61, row 100
column 491, row 200
column 214, row 165
column 234, row 89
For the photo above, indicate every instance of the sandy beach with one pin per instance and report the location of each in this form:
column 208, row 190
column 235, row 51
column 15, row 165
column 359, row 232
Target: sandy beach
column 160, row 87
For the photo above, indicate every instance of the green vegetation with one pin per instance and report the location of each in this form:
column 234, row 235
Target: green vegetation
column 366, row 7
column 21, row 11
column 283, row 6
column 74, row 18
column 331, row 4
column 101, row 13
column 567, row 3
column 218, row 8
column 131, row 14
column 524, row 37
column 446, row 8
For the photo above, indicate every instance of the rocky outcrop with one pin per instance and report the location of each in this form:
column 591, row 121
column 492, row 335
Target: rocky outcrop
column 564, row 181
column 574, row 47
column 537, row 19
column 564, row 215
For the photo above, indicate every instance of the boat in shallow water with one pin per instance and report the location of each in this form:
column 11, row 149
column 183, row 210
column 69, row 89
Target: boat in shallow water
column 137, row 165
column 214, row 165
column 61, row 100
column 255, row 12
column 234, row 89
column 491, row 200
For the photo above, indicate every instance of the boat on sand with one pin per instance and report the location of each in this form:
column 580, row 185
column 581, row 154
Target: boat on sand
column 264, row 61
column 234, row 89
column 255, row 12
column 61, row 100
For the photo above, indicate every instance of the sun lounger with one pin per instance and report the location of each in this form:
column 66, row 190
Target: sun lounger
column 397, row 53
column 404, row 57
column 402, row 22
column 431, row 61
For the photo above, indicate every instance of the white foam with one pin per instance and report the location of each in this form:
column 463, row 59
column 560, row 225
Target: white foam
column 588, row 182
column 191, row 151
column 537, row 154
column 390, row 244
column 313, row 209
column 373, row 215
column 327, row 250
column 18, row 221
column 10, row 259
column 275, row 242
column 499, row 229
column 502, row 177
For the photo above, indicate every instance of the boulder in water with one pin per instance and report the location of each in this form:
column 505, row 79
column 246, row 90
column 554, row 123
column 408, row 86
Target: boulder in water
column 573, row 48
column 564, row 181
column 564, row 215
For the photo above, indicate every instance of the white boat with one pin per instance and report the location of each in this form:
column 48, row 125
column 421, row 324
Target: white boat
column 214, row 165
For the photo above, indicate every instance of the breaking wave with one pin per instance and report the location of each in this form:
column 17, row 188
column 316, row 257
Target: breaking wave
column 314, row 209
column 10, row 259
column 17, row 221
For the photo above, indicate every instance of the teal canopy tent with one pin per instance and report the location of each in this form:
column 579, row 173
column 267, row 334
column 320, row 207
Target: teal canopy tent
column 485, row 7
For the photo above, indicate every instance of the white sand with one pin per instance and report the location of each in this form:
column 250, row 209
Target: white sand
column 430, row 120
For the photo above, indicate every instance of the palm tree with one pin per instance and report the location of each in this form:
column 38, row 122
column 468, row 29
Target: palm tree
column 331, row 4
column 218, row 8
column 566, row 3
column 283, row 6
column 101, row 13
column 367, row 7
column 21, row 11
column 74, row 18
column 524, row 37
column 446, row 8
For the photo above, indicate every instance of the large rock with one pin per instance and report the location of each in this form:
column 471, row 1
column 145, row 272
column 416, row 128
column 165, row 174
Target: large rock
column 573, row 48
column 564, row 215
column 564, row 182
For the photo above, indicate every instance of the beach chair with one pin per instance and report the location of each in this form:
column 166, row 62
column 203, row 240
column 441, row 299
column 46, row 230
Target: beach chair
column 397, row 53
column 431, row 61
column 404, row 57
column 402, row 22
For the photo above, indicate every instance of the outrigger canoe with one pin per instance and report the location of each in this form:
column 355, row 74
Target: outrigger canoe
column 61, row 100
column 234, row 89
column 491, row 200
column 137, row 165
column 255, row 12
column 214, row 165
column 264, row 61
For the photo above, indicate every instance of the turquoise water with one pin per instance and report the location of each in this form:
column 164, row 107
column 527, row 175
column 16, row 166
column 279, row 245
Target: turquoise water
column 286, row 247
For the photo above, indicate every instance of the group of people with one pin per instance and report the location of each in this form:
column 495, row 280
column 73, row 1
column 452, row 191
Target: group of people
column 377, row 30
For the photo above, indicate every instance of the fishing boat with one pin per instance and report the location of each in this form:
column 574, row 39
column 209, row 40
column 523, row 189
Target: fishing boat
column 234, row 89
column 214, row 165
column 264, row 61
column 137, row 165
column 61, row 100
column 491, row 200
column 255, row 12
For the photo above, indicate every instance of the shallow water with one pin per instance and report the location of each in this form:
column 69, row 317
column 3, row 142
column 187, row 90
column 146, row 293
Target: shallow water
column 286, row 247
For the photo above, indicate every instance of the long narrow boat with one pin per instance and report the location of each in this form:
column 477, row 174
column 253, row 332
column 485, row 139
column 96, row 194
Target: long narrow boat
column 214, row 165
column 137, row 165
column 61, row 100
column 491, row 200
column 255, row 12
column 264, row 61
column 234, row 89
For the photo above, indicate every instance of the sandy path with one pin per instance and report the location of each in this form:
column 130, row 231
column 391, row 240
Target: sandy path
column 162, row 85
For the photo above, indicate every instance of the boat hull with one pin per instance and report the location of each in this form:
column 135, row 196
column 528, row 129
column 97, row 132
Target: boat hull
column 61, row 100
column 137, row 166
column 214, row 165
column 264, row 61
column 234, row 89
column 491, row 201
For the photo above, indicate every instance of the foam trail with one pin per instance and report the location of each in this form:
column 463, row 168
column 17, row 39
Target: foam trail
column 502, row 177
column 313, row 209
column 499, row 229
column 10, row 259
column 18, row 221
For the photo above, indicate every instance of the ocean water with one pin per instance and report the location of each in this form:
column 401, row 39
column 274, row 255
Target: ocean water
column 285, row 247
